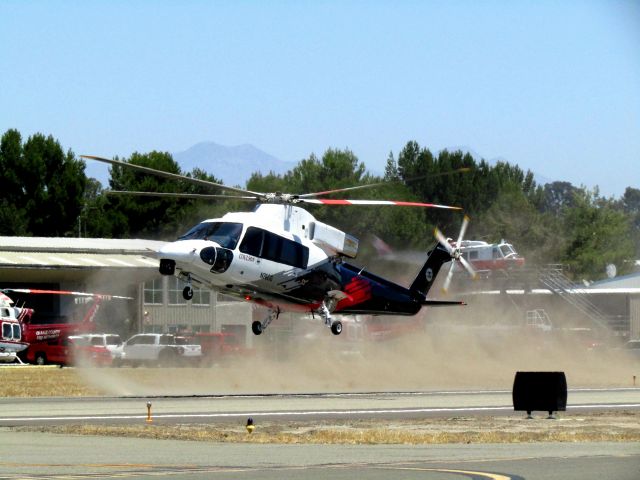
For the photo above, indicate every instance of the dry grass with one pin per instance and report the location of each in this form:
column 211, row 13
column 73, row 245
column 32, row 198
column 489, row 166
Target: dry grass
column 32, row 381
column 616, row 427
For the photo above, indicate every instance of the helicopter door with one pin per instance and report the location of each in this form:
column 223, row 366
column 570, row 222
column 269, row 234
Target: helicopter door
column 275, row 254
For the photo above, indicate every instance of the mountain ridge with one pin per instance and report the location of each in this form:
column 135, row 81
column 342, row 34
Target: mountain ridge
column 231, row 164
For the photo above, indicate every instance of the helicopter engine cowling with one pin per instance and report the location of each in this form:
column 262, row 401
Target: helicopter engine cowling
column 219, row 258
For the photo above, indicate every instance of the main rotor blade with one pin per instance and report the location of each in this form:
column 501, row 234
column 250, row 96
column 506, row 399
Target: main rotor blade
column 173, row 176
column 197, row 196
column 64, row 292
column 377, row 184
column 327, row 201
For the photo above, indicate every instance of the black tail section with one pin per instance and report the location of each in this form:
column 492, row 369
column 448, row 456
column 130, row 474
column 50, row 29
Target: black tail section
column 427, row 275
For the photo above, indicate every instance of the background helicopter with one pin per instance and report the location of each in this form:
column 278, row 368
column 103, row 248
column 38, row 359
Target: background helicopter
column 281, row 257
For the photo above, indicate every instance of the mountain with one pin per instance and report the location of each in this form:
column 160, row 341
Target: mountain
column 233, row 165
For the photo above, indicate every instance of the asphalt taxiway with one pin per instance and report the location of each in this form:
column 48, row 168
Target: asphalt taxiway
column 294, row 407
column 28, row 455
column 34, row 455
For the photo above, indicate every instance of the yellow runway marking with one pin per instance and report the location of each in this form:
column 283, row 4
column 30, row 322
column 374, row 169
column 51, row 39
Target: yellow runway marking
column 469, row 473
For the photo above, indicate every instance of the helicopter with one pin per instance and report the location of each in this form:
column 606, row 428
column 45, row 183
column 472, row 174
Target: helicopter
column 281, row 257
column 11, row 341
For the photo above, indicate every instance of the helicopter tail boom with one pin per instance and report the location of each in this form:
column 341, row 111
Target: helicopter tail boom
column 423, row 282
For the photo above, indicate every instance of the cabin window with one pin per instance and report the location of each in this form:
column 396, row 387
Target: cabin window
column 267, row 245
column 16, row 331
column 225, row 234
column 252, row 242
column 7, row 331
column 496, row 253
column 473, row 255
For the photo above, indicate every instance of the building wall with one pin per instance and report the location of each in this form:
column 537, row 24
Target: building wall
column 634, row 317
column 162, row 309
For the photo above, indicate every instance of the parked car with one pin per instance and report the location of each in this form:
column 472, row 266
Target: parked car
column 158, row 349
column 218, row 347
column 110, row 341
column 84, row 354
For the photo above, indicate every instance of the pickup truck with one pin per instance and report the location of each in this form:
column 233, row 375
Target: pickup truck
column 159, row 349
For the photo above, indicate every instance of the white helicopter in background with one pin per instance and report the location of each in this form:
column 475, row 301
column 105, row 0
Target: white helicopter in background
column 11, row 342
column 283, row 258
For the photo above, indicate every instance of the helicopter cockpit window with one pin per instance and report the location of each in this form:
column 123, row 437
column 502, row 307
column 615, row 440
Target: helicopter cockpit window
column 6, row 330
column 225, row 234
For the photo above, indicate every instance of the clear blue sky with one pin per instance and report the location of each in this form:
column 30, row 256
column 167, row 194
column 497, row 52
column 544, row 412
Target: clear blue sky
column 553, row 86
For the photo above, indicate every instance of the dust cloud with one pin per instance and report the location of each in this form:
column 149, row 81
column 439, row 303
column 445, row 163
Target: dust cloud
column 438, row 357
column 478, row 346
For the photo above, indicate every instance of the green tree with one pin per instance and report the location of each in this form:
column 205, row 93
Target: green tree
column 558, row 196
column 155, row 217
column 13, row 215
column 513, row 218
column 631, row 206
column 597, row 234
column 44, row 186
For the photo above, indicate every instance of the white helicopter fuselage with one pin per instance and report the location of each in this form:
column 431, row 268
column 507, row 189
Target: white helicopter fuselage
column 264, row 253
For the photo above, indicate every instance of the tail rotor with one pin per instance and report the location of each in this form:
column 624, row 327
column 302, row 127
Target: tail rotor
column 455, row 253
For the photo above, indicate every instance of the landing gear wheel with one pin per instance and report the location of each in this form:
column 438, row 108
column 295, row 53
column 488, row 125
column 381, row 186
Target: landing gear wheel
column 336, row 328
column 187, row 293
column 256, row 327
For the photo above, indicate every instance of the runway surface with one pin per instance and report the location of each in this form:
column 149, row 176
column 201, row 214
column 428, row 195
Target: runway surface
column 34, row 455
column 308, row 407
column 41, row 456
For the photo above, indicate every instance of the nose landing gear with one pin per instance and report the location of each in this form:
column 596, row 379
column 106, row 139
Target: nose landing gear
column 187, row 292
